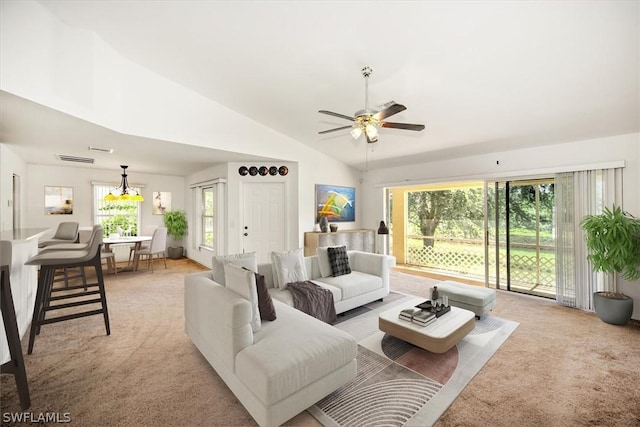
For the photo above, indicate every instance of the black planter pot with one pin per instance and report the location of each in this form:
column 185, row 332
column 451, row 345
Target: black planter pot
column 175, row 252
column 613, row 308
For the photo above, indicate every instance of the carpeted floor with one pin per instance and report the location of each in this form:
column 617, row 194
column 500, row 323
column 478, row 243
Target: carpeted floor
column 559, row 367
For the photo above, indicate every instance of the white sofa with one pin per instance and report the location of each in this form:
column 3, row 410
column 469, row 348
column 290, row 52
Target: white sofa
column 367, row 282
column 276, row 372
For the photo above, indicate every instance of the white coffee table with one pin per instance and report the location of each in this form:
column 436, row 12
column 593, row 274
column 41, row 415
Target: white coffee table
column 437, row 337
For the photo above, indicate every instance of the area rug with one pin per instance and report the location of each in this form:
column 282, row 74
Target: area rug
column 398, row 384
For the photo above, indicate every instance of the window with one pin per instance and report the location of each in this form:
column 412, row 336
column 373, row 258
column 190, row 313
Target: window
column 208, row 220
column 208, row 205
column 114, row 215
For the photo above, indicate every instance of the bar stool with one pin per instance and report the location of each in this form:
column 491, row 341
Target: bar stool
column 51, row 260
column 15, row 365
column 73, row 247
column 67, row 232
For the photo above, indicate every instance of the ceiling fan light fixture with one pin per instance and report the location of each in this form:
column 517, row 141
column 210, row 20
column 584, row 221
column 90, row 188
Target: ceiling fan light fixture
column 372, row 131
column 368, row 120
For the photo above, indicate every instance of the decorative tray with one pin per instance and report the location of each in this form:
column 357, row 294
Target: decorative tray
column 438, row 311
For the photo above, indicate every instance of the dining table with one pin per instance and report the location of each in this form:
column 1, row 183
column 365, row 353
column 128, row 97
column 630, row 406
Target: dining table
column 118, row 240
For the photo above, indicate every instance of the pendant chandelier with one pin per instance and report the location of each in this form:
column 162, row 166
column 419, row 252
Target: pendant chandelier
column 124, row 192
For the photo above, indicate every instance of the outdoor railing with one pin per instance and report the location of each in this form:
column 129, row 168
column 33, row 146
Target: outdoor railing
column 529, row 270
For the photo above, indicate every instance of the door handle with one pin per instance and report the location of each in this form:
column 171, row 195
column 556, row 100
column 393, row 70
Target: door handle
column 245, row 234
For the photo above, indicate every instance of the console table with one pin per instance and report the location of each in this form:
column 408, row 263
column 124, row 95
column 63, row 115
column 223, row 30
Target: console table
column 359, row 240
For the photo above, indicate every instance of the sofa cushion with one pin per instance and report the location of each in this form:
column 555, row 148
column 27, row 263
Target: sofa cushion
column 323, row 261
column 291, row 353
column 288, row 266
column 243, row 282
column 353, row 284
column 285, row 296
column 248, row 260
column 339, row 260
column 265, row 303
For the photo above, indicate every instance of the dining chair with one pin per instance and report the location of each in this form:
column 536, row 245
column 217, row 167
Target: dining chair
column 67, row 232
column 110, row 258
column 146, row 231
column 157, row 247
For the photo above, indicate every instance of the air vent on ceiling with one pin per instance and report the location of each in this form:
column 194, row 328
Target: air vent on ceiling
column 66, row 158
column 101, row 150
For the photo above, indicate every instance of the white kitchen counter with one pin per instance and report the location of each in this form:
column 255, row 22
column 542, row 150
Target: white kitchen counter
column 16, row 247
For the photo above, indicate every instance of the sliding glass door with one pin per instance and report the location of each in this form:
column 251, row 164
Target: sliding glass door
column 520, row 242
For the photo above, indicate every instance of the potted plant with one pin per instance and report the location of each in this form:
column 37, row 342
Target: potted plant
column 613, row 241
column 176, row 223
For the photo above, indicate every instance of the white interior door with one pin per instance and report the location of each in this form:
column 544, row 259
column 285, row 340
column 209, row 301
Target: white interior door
column 264, row 218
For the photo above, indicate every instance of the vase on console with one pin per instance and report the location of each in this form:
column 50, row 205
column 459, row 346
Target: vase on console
column 324, row 224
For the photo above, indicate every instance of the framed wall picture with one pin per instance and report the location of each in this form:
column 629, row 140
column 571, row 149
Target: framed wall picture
column 58, row 200
column 338, row 204
column 161, row 202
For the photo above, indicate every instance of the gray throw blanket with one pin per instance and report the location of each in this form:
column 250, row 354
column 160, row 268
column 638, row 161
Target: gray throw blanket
column 314, row 300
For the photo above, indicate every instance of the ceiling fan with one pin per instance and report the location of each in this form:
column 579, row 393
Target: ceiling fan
column 368, row 121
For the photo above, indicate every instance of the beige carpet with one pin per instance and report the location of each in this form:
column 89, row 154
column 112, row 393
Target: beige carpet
column 561, row 367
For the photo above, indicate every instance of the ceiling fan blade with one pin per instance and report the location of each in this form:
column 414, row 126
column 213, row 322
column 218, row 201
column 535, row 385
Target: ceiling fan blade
column 407, row 126
column 342, row 116
column 333, row 130
column 390, row 109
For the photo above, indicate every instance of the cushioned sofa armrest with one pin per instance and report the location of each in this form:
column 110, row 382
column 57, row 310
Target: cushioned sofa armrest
column 218, row 315
column 206, row 274
column 368, row 262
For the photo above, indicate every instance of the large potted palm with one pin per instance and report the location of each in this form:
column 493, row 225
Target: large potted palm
column 176, row 223
column 613, row 241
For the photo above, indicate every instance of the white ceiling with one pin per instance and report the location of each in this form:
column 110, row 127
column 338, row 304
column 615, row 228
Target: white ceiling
column 481, row 75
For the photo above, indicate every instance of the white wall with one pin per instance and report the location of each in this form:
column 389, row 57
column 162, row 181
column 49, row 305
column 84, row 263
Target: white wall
column 80, row 179
column 74, row 71
column 11, row 164
column 513, row 164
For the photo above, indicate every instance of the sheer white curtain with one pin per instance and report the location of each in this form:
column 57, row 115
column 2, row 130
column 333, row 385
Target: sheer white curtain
column 578, row 194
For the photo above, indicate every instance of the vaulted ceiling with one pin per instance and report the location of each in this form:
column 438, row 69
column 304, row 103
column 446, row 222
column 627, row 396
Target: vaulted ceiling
column 482, row 76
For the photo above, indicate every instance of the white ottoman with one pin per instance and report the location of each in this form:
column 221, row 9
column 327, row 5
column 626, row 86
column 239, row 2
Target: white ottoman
column 478, row 299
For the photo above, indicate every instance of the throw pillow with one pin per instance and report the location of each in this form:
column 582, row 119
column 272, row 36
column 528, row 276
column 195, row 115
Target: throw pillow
column 248, row 260
column 288, row 266
column 265, row 303
column 339, row 260
column 323, row 261
column 243, row 282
